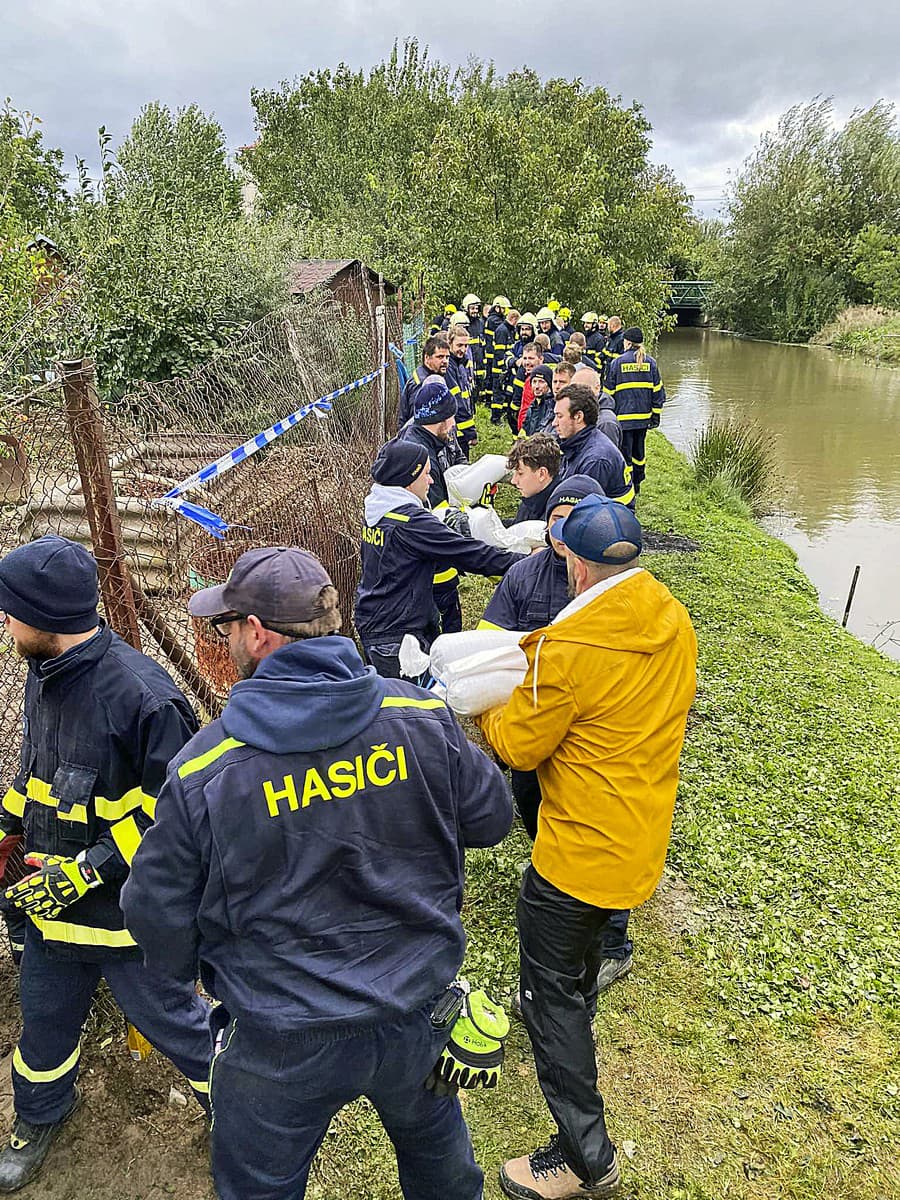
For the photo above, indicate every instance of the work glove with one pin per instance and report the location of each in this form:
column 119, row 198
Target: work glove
column 8, row 844
column 655, row 420
column 58, row 883
column 457, row 520
column 474, row 1054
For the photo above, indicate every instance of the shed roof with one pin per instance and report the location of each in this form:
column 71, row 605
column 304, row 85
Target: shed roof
column 310, row 273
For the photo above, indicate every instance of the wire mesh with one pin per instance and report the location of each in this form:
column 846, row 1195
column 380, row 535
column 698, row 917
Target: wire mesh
column 90, row 472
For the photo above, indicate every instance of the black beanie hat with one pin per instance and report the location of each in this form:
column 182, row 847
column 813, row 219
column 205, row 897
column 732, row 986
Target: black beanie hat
column 434, row 402
column 571, row 490
column 399, row 463
column 545, row 373
column 50, row 584
column 633, row 334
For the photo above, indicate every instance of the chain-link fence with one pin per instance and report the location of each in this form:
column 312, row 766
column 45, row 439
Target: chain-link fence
column 91, row 472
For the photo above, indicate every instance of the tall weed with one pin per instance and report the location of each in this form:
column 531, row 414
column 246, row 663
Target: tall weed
column 733, row 459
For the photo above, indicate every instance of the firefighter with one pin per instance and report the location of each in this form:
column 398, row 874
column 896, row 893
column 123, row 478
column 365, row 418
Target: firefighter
column 310, row 852
column 435, row 359
column 517, row 378
column 101, row 723
column 526, row 331
column 402, row 543
column 461, row 383
column 615, row 342
column 471, row 305
column 594, row 339
column 587, row 451
column 433, row 427
column 565, row 323
column 498, row 338
column 442, row 323
column 546, row 323
column 637, row 393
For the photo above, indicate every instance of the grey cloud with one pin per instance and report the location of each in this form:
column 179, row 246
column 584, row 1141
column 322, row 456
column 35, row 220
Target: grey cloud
column 706, row 75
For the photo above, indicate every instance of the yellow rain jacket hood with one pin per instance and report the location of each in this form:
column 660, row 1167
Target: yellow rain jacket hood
column 601, row 717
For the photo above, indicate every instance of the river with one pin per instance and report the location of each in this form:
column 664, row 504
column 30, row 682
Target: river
column 835, row 440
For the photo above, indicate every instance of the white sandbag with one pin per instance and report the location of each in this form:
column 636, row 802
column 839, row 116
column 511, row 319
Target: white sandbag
column 466, row 481
column 450, row 647
column 413, row 659
column 484, row 676
column 525, row 536
column 486, row 526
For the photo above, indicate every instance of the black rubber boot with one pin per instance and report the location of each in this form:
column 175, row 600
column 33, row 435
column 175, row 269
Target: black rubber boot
column 28, row 1146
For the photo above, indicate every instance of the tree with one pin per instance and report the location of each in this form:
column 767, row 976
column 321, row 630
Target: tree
column 876, row 256
column 31, row 177
column 794, row 214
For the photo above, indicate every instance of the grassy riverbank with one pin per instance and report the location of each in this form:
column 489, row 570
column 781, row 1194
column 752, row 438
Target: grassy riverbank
column 872, row 333
column 752, row 1052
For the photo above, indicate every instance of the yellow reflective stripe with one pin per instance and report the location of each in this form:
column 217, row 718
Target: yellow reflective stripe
column 115, row 810
column 465, row 424
column 202, row 1087
column 445, row 576
column 657, row 387
column 23, row 1069
column 454, row 391
column 623, row 387
column 441, row 504
column 83, row 935
column 520, row 383
column 407, row 702
column 39, row 791
column 396, row 517
column 643, row 416
column 14, row 802
column 607, row 392
column 626, row 497
column 127, row 837
column 657, row 412
column 203, row 760
column 483, row 624
column 148, row 806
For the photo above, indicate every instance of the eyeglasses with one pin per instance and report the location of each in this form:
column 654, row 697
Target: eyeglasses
column 217, row 623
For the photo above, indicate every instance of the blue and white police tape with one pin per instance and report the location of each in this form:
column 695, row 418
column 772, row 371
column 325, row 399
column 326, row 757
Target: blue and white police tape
column 209, row 521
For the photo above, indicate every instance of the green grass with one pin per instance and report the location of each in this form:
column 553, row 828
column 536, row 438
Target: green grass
column 870, row 332
column 752, row 1052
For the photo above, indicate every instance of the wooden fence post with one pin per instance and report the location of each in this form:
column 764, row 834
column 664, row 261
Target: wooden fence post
column 92, row 456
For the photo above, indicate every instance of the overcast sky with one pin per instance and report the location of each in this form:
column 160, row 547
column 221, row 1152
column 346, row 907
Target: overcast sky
column 711, row 76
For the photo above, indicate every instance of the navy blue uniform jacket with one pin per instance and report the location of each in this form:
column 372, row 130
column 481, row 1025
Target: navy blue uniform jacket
column 101, row 723
column 401, row 550
column 308, row 851
column 529, row 595
column 635, row 389
column 590, row 452
column 408, row 395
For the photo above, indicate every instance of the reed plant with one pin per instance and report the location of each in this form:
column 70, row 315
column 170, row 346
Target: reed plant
column 734, row 457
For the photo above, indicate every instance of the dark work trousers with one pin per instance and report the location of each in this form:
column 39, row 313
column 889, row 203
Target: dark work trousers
column 384, row 655
column 634, row 451
column 560, row 951
column 446, row 597
column 56, row 995
column 274, row 1096
column 526, row 792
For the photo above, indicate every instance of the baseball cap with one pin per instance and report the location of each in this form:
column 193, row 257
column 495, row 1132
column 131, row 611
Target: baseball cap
column 594, row 525
column 279, row 584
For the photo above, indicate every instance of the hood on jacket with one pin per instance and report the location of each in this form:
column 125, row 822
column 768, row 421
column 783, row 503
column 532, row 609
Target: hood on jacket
column 605, row 401
column 307, row 695
column 384, row 498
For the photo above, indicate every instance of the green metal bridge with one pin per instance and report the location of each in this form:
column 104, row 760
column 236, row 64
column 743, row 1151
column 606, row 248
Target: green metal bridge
column 689, row 294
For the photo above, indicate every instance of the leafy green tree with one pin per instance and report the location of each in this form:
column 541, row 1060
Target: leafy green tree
column 31, row 176
column 876, row 255
column 795, row 212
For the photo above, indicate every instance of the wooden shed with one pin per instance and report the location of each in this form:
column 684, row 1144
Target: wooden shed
column 348, row 279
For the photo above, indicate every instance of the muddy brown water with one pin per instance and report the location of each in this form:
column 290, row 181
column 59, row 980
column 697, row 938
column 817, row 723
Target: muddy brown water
column 836, row 444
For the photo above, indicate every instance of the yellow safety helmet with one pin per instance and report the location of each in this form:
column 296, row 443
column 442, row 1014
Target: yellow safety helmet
column 589, row 318
column 545, row 313
column 470, row 299
column 501, row 302
column 449, row 310
column 553, row 305
column 459, row 318
column 602, row 319
column 564, row 313
column 527, row 319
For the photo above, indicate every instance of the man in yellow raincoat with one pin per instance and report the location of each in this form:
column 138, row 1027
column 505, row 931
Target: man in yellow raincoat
column 601, row 717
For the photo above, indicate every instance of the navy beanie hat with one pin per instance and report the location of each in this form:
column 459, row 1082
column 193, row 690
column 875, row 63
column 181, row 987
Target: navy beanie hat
column 50, row 584
column 433, row 402
column 571, row 490
column 399, row 463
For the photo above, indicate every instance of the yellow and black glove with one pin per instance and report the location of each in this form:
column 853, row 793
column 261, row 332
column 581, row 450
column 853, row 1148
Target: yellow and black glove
column 474, row 1054
column 58, row 883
